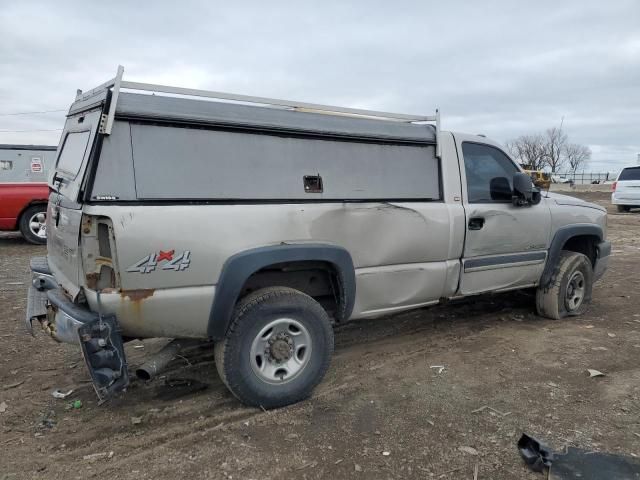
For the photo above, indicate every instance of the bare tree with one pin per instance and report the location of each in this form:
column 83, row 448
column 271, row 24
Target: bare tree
column 555, row 142
column 550, row 149
column 576, row 155
column 529, row 150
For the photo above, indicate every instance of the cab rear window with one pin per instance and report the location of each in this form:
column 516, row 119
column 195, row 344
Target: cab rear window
column 72, row 154
column 630, row 174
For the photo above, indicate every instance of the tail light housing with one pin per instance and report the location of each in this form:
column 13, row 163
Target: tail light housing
column 98, row 253
column 613, row 186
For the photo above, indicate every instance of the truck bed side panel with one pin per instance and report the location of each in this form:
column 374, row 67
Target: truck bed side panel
column 407, row 243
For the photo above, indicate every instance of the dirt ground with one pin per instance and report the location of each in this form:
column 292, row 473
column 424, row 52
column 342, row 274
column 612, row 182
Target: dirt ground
column 383, row 410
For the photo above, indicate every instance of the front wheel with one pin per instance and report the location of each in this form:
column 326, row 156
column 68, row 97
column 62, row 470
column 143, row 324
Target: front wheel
column 569, row 292
column 277, row 349
column 33, row 224
column 623, row 208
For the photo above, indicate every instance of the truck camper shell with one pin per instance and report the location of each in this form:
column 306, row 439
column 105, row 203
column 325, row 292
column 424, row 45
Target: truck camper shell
column 185, row 144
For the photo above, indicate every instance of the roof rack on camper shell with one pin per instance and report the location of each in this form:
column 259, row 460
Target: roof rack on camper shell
column 117, row 83
column 6, row 146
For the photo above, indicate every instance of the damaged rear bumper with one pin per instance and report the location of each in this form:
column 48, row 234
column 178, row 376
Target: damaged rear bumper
column 99, row 336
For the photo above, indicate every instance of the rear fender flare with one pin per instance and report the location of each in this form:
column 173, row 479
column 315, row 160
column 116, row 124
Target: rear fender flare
column 239, row 267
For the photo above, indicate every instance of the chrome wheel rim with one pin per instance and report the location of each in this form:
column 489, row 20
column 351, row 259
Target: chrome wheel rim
column 37, row 225
column 280, row 351
column 575, row 291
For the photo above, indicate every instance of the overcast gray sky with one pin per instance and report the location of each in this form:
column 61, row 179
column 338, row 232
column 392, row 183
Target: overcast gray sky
column 501, row 68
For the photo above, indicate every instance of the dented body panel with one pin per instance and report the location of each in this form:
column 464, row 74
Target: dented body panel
column 167, row 312
column 407, row 244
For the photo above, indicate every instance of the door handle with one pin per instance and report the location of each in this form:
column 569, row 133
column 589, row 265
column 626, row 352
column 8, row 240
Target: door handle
column 476, row 223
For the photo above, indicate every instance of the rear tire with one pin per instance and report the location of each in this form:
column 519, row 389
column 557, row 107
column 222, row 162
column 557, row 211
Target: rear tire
column 277, row 348
column 623, row 208
column 569, row 291
column 32, row 224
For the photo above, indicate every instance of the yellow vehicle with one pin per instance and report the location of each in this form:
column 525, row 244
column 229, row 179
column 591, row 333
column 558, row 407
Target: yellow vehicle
column 540, row 179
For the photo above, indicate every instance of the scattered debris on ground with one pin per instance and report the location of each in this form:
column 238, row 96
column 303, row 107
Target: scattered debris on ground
column 469, row 450
column 576, row 463
column 59, row 394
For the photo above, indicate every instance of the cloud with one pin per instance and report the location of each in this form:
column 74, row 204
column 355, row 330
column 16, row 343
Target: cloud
column 495, row 67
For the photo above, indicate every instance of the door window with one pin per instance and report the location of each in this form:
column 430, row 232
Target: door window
column 485, row 167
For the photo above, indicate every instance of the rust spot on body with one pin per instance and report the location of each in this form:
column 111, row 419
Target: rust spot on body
column 137, row 295
column 104, row 261
column 92, row 280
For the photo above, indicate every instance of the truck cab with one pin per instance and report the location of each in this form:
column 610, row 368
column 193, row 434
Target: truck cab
column 262, row 223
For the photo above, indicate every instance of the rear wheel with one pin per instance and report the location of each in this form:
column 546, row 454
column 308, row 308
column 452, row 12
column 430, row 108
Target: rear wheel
column 569, row 292
column 33, row 224
column 277, row 349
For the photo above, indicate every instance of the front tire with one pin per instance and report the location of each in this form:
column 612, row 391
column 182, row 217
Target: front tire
column 33, row 224
column 623, row 208
column 277, row 349
column 569, row 292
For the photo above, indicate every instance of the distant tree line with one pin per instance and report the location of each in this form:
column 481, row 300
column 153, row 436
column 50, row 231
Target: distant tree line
column 550, row 149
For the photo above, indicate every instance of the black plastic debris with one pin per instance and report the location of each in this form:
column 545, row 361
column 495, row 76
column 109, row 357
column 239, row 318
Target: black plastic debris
column 577, row 464
column 535, row 454
column 585, row 465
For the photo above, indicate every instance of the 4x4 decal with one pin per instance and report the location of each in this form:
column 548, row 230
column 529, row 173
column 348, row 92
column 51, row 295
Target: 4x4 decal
column 152, row 261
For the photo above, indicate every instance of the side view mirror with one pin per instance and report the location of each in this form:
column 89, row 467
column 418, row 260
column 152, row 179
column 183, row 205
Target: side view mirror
column 524, row 193
column 500, row 189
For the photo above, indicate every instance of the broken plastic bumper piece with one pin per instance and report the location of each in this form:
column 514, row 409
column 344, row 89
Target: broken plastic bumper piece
column 98, row 335
column 534, row 453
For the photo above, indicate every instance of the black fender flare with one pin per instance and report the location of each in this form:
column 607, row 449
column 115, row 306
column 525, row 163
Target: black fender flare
column 559, row 239
column 239, row 267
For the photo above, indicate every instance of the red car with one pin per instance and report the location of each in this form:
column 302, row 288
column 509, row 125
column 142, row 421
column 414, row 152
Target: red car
column 23, row 189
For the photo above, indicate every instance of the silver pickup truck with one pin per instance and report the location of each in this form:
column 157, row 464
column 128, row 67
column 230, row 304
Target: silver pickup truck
column 260, row 223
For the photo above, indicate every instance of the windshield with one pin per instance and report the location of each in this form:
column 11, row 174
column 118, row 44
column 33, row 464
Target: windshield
column 73, row 151
column 630, row 174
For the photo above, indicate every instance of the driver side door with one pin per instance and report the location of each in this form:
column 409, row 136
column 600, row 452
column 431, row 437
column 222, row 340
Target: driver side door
column 505, row 246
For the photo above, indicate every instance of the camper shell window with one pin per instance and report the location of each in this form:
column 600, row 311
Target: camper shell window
column 187, row 163
column 72, row 154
